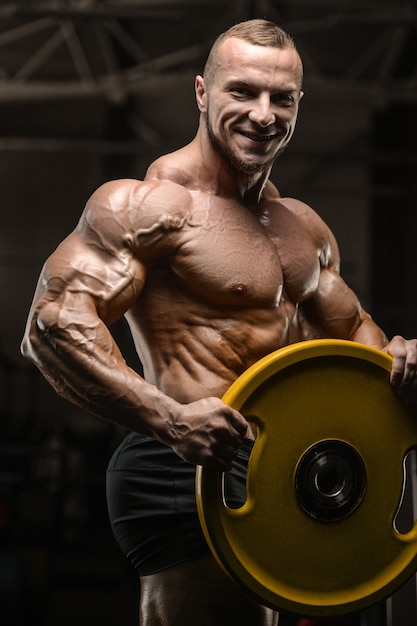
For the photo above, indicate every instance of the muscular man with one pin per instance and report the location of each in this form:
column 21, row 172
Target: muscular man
column 213, row 270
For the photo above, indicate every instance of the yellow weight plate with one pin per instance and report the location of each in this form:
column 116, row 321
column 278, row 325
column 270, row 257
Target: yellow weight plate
column 316, row 535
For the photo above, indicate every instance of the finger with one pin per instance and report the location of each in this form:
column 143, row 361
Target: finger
column 397, row 350
column 397, row 370
column 404, row 364
column 220, row 463
column 239, row 423
column 407, row 389
column 404, row 369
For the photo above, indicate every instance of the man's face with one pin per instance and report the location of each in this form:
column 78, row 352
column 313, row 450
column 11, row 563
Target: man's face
column 251, row 104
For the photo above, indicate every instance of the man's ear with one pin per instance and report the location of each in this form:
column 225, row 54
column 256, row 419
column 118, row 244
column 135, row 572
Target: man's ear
column 200, row 93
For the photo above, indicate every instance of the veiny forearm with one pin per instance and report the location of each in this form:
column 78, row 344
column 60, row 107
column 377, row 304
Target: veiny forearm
column 80, row 359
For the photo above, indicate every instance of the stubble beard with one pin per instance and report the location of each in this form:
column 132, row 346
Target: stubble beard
column 239, row 165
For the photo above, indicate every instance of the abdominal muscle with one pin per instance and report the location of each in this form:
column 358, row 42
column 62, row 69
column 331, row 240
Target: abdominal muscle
column 199, row 351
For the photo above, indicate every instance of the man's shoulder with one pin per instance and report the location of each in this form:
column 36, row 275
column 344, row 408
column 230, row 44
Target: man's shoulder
column 306, row 214
column 131, row 193
column 143, row 216
column 313, row 226
column 175, row 167
column 298, row 207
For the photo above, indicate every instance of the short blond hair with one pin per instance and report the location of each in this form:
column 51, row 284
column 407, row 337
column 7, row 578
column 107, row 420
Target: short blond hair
column 258, row 32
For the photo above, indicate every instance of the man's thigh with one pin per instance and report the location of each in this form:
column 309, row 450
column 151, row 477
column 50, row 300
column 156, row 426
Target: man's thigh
column 199, row 592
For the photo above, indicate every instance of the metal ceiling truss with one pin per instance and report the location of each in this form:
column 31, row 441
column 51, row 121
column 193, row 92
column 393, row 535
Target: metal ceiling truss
column 66, row 49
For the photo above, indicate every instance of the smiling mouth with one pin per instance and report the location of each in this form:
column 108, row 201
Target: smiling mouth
column 259, row 138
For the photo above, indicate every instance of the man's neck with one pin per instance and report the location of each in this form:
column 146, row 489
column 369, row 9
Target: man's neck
column 219, row 177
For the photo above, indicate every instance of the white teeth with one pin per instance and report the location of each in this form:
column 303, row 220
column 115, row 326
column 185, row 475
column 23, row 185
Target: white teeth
column 257, row 138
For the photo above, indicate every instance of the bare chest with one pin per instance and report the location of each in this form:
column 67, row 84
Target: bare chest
column 228, row 256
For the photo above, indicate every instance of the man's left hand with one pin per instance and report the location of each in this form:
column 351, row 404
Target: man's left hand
column 404, row 367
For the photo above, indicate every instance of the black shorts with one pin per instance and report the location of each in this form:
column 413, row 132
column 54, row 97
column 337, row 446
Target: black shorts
column 151, row 503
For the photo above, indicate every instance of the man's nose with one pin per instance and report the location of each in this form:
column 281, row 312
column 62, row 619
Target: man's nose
column 261, row 112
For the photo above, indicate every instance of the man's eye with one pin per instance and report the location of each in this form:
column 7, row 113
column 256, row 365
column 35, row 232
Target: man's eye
column 283, row 99
column 241, row 91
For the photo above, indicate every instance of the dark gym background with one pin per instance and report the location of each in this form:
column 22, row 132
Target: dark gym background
column 95, row 89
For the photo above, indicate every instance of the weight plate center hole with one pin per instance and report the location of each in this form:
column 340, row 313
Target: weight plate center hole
column 330, row 480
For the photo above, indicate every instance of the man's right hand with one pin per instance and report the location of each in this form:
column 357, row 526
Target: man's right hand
column 208, row 432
